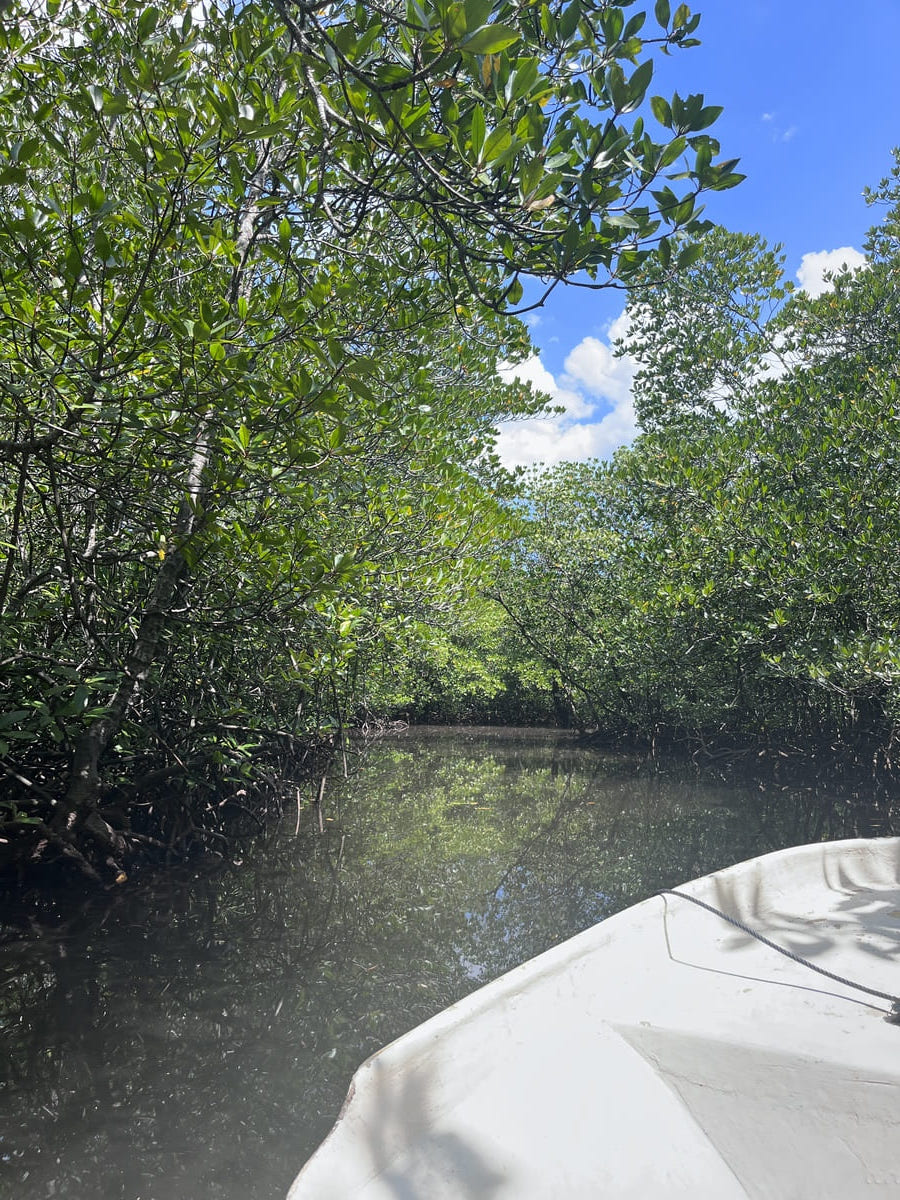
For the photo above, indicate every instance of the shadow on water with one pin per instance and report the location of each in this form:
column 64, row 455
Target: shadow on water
column 195, row 1035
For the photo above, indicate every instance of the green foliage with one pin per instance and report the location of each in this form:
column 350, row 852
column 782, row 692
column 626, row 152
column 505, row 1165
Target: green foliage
column 701, row 332
column 737, row 568
column 253, row 272
column 469, row 668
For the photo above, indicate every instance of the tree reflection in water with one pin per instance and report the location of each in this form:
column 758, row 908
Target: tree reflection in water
column 194, row 1035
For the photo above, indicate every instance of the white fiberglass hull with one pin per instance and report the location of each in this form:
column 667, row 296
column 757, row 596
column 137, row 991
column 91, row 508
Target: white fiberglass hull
column 662, row 1053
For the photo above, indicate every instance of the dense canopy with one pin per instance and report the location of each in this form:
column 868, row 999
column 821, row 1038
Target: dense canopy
column 256, row 263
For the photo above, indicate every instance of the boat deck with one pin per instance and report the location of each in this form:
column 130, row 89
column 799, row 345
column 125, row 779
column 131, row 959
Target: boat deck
column 662, row 1053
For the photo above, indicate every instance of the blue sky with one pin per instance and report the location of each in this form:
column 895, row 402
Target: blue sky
column 811, row 91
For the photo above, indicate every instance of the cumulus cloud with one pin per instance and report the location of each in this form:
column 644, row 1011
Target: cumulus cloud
column 594, row 387
column 594, row 390
column 533, row 371
column 814, row 267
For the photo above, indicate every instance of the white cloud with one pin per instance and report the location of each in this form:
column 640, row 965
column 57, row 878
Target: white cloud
column 779, row 132
column 533, row 371
column 595, row 392
column 594, row 387
column 593, row 365
column 814, row 266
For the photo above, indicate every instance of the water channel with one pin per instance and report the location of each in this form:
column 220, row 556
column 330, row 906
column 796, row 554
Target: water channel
column 193, row 1035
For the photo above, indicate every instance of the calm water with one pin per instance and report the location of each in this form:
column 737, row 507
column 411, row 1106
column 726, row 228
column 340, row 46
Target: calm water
column 193, row 1036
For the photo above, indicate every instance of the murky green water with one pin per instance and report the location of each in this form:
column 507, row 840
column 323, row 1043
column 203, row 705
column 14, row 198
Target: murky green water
column 194, row 1036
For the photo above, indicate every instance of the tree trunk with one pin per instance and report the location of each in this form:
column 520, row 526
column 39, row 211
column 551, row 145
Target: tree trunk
column 80, row 803
column 82, row 794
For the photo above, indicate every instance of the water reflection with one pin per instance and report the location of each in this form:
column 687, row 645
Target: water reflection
column 194, row 1036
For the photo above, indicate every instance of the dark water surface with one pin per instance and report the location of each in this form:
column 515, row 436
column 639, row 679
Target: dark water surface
column 192, row 1037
